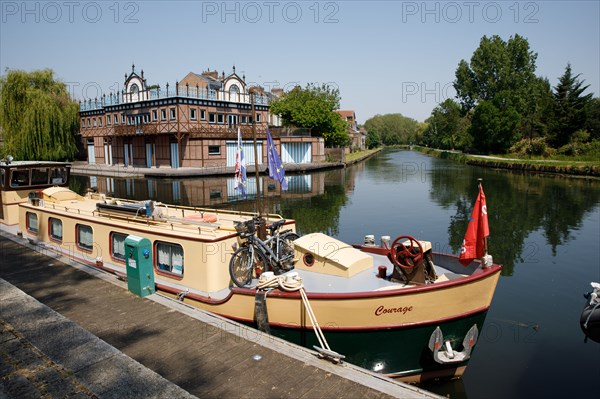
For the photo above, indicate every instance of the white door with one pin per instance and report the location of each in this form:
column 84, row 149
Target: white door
column 91, row 154
column 149, row 155
column 174, row 155
column 128, row 151
column 248, row 148
column 107, row 152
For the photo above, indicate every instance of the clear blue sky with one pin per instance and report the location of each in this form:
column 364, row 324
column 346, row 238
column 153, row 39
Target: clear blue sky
column 384, row 56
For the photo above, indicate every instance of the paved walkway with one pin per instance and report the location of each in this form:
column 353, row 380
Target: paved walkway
column 151, row 347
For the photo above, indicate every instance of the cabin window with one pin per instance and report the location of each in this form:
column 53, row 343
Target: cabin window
column 32, row 222
column 214, row 149
column 85, row 237
column 117, row 245
column 58, row 175
column 56, row 228
column 39, row 176
column 169, row 258
column 19, row 178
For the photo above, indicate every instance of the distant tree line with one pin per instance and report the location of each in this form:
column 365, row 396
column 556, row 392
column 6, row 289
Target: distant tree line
column 502, row 106
column 392, row 129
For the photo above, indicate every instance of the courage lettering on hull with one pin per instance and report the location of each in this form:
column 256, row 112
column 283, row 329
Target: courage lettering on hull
column 383, row 310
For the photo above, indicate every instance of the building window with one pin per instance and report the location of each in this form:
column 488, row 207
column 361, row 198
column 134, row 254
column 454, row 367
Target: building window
column 193, row 114
column 100, row 121
column 89, row 123
column 154, row 115
column 32, row 222
column 172, row 114
column 214, row 149
column 220, row 118
column 122, row 118
column 85, row 237
column 244, row 119
column 117, row 245
column 108, row 120
column 211, row 118
column 202, row 115
column 169, row 258
column 163, row 114
column 55, row 227
column 257, row 118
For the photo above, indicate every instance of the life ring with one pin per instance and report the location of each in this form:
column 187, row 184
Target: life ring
column 202, row 217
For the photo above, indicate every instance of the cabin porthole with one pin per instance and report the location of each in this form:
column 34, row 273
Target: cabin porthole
column 308, row 259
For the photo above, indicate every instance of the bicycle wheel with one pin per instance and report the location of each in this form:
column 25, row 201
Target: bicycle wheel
column 286, row 250
column 243, row 265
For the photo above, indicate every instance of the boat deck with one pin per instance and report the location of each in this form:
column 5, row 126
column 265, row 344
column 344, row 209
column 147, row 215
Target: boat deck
column 204, row 354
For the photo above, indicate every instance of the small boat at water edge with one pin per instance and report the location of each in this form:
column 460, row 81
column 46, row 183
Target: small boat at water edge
column 396, row 308
column 590, row 315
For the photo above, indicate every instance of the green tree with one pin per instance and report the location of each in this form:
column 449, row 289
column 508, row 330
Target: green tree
column 571, row 107
column 393, row 129
column 593, row 122
column 313, row 107
column 500, row 75
column 38, row 118
column 447, row 127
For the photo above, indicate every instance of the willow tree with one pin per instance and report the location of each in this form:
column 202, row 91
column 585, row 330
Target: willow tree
column 38, row 118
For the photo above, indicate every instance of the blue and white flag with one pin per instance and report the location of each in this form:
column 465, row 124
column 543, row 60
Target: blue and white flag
column 276, row 171
column 240, row 167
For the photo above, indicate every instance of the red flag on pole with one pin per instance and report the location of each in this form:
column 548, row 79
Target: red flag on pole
column 474, row 243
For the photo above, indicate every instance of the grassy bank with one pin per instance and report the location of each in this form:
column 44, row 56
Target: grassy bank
column 567, row 167
column 357, row 156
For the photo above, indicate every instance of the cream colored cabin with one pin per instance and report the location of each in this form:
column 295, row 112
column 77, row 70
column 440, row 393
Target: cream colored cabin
column 187, row 251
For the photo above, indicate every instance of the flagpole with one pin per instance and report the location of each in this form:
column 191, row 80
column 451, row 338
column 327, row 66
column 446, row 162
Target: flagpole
column 485, row 241
column 261, row 232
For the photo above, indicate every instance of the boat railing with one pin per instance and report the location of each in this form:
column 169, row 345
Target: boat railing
column 174, row 219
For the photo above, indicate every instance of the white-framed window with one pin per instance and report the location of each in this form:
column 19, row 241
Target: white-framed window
column 214, row 149
column 193, row 114
column 220, row 118
column 202, row 115
column 169, row 258
column 257, row 118
column 56, row 229
column 85, row 237
column 32, row 222
column 154, row 115
column 108, row 122
column 173, row 113
column 163, row 114
column 117, row 245
column 122, row 118
column 211, row 118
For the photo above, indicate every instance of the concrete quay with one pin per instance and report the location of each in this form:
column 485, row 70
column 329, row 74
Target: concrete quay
column 67, row 330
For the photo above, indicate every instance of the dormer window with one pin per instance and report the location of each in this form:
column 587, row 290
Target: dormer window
column 134, row 89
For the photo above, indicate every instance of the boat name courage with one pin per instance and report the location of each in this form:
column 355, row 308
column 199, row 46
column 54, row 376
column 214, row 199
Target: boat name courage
column 383, row 310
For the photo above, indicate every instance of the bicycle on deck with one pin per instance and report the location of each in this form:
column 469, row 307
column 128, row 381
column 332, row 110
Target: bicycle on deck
column 256, row 256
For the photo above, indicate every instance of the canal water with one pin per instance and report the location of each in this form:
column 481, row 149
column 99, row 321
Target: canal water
column 545, row 231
